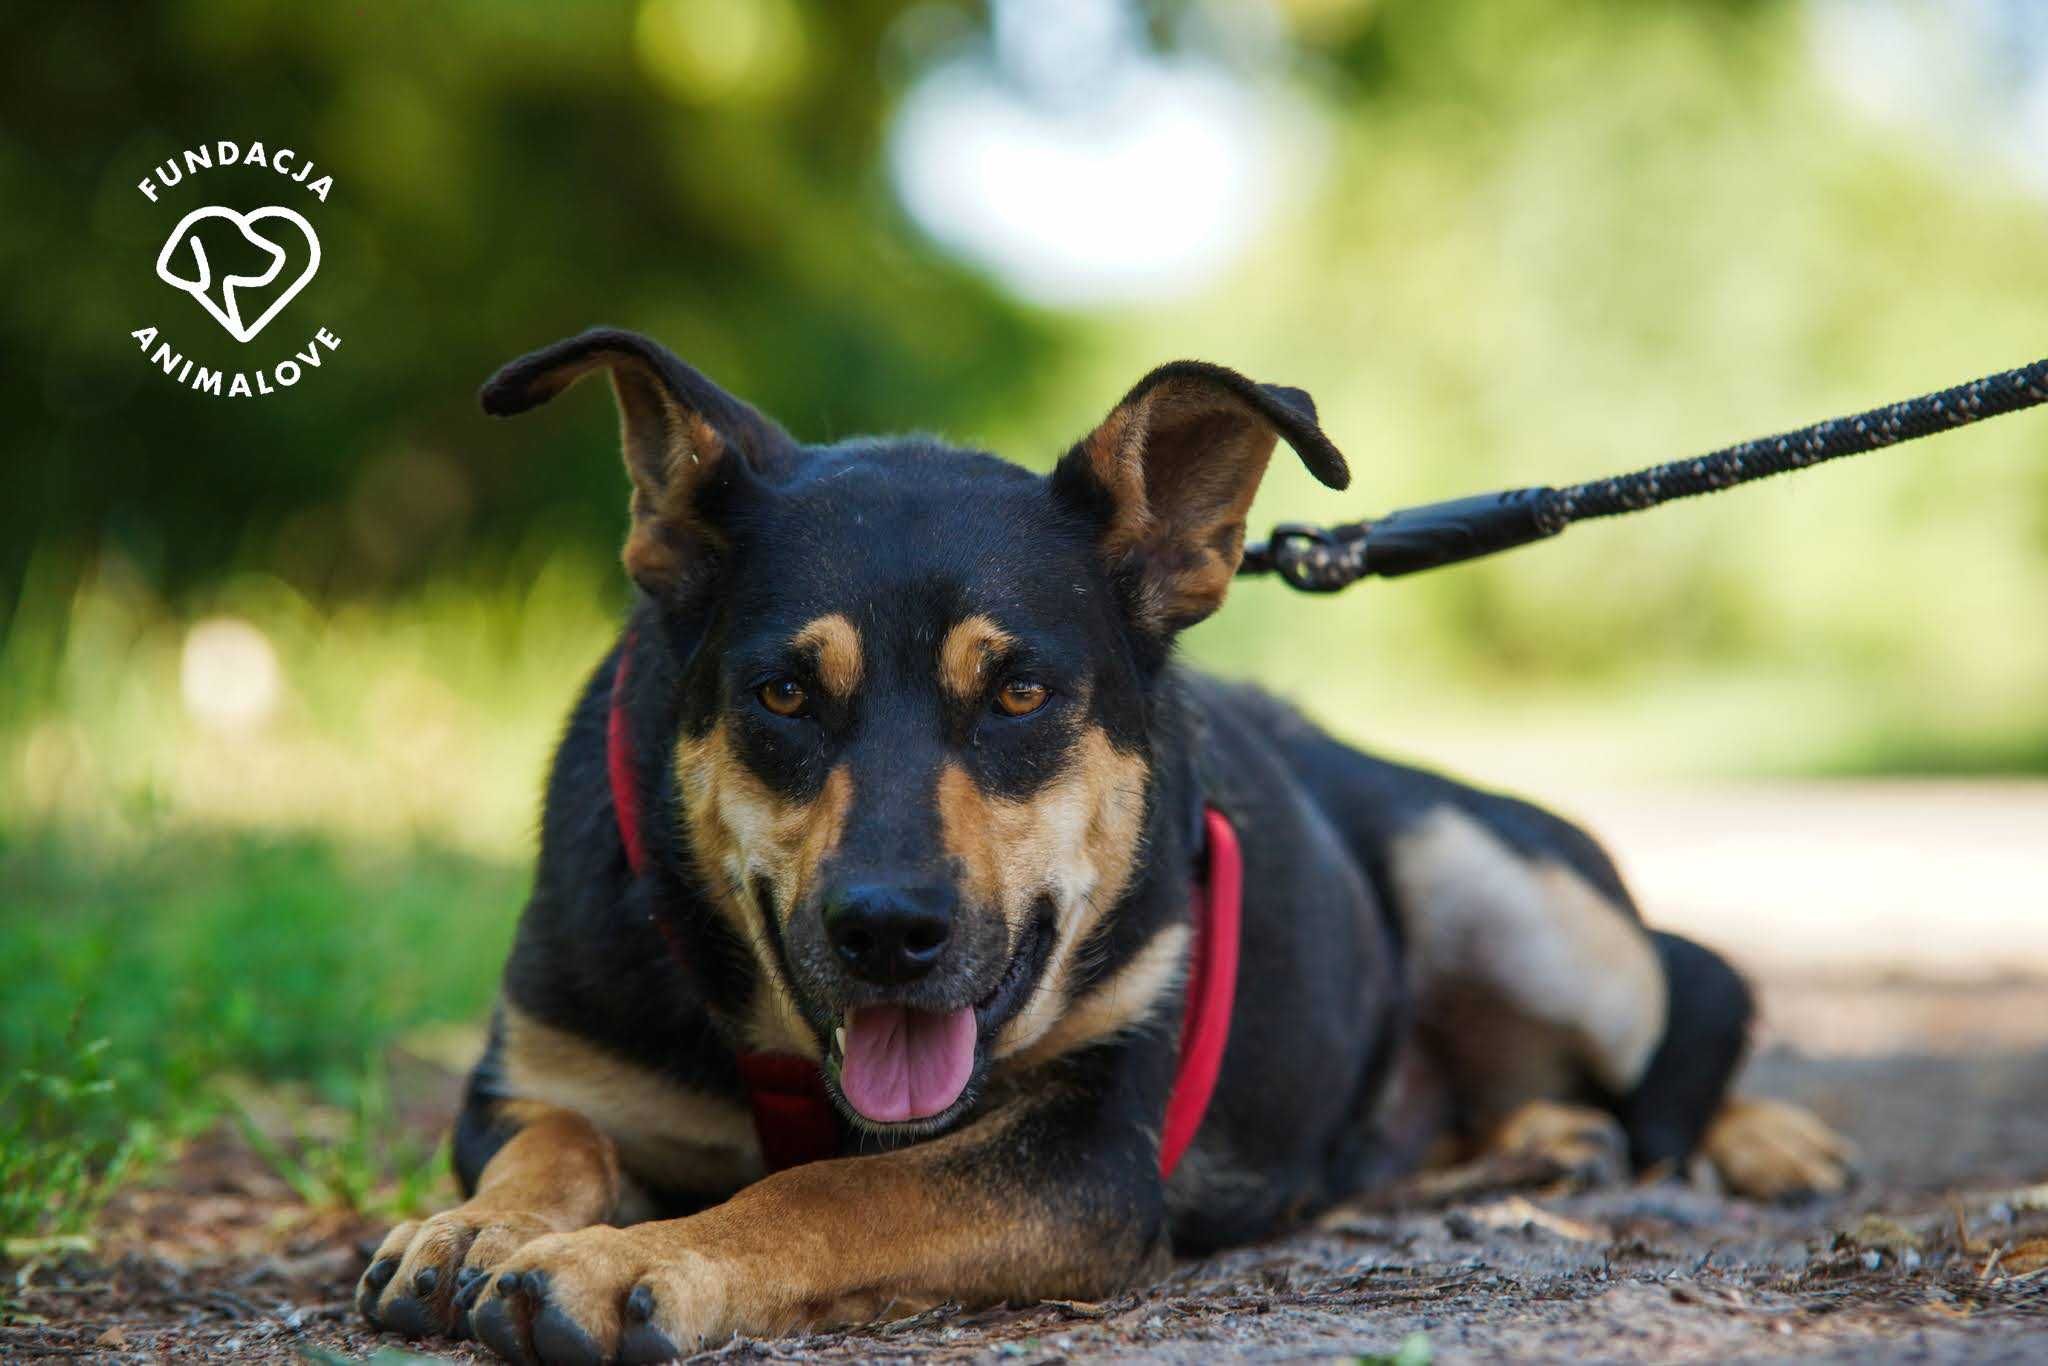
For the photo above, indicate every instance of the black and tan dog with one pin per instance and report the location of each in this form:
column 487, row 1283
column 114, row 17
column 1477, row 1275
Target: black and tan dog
column 914, row 802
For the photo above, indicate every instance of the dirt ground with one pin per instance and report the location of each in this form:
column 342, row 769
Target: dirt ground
column 1931, row 1259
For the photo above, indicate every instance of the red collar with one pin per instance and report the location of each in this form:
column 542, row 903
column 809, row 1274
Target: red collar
column 793, row 1114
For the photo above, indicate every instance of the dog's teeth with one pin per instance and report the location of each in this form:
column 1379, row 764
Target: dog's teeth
column 839, row 1039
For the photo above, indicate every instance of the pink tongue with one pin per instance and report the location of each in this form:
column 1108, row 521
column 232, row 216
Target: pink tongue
column 906, row 1064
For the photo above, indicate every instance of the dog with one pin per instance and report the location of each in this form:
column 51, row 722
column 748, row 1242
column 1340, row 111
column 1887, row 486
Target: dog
column 908, row 927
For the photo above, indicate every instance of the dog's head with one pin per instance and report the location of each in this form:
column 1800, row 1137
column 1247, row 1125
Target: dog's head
column 915, row 754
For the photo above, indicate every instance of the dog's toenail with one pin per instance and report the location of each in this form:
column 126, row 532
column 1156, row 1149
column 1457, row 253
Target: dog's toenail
column 640, row 1304
column 510, row 1283
column 424, row 1281
column 559, row 1338
column 380, row 1273
column 470, row 1288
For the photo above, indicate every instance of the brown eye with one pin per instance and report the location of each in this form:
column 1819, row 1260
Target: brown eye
column 783, row 696
column 1021, row 697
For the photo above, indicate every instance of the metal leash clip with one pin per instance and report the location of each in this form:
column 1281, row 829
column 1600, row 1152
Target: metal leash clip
column 1311, row 558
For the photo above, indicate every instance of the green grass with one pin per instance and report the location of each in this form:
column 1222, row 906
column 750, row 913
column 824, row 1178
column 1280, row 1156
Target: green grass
column 68, row 1138
column 282, row 957
column 1413, row 1351
column 140, row 979
column 372, row 1162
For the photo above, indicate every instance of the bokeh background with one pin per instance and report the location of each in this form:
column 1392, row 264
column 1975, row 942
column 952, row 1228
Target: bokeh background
column 278, row 679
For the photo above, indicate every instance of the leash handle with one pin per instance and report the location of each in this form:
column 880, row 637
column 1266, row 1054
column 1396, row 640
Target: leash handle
column 1325, row 559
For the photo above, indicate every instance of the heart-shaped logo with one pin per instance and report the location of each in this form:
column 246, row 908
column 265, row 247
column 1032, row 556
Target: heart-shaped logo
column 184, row 245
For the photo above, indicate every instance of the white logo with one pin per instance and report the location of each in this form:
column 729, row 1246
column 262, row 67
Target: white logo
column 243, row 269
column 228, row 312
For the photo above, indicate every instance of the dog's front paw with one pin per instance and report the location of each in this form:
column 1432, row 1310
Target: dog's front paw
column 424, row 1269
column 1769, row 1150
column 602, row 1295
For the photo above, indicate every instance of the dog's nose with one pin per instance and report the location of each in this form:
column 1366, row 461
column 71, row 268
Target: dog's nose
column 889, row 935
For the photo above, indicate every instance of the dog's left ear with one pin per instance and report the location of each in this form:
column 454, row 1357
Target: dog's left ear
column 1170, row 475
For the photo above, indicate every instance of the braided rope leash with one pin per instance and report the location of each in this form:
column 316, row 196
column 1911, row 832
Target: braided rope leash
column 1325, row 559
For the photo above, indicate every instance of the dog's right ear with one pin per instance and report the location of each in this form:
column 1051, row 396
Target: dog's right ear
column 685, row 439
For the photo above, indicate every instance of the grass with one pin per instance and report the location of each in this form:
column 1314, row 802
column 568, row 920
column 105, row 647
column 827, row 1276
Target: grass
column 144, row 979
column 368, row 1163
column 280, row 957
column 68, row 1140
column 1413, row 1351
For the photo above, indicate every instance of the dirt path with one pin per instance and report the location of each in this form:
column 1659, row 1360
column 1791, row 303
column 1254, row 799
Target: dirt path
column 221, row 1262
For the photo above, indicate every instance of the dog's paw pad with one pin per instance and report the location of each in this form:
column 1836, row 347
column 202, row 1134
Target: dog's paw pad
column 496, row 1324
column 414, row 1314
column 411, row 1317
column 1769, row 1150
column 371, row 1288
column 642, row 1342
column 559, row 1338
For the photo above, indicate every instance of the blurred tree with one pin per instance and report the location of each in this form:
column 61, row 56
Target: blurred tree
column 505, row 173
column 1530, row 242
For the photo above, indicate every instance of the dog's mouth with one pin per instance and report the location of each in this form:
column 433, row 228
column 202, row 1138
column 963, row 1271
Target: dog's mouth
column 899, row 1066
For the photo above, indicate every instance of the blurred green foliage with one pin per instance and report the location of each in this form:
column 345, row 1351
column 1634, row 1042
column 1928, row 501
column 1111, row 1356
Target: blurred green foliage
column 507, row 172
column 1541, row 242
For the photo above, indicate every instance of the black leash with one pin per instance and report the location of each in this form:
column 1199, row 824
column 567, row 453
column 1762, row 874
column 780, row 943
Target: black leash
column 1324, row 559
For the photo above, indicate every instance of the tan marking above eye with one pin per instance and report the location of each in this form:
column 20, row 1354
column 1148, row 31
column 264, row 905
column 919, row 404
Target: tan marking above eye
column 784, row 696
column 833, row 642
column 965, row 655
column 1021, row 697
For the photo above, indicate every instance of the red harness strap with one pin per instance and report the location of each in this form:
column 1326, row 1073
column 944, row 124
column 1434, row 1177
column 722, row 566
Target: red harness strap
column 793, row 1115
column 1212, row 990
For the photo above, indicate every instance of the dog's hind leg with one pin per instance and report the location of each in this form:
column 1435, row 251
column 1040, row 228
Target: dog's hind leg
column 1548, row 1008
column 1532, row 983
column 1765, row 1149
column 1554, row 1008
column 1705, row 1035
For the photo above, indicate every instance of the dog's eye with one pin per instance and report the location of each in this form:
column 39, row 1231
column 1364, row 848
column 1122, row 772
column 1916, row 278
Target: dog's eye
column 784, row 696
column 1021, row 697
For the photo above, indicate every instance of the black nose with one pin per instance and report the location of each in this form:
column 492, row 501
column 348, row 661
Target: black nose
column 889, row 934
